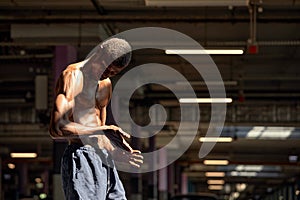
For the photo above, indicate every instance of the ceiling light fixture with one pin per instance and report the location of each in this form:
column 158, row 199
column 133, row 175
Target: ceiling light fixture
column 205, row 100
column 293, row 158
column 214, row 174
column 215, row 182
column 215, row 139
column 246, row 174
column 204, row 51
column 204, row 83
column 215, row 162
column 215, row 187
column 23, row 155
column 251, row 168
column 265, row 132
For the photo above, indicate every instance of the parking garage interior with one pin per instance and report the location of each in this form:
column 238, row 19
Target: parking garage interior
column 256, row 147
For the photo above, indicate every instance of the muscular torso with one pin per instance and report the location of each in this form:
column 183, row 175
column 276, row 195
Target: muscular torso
column 84, row 100
column 91, row 108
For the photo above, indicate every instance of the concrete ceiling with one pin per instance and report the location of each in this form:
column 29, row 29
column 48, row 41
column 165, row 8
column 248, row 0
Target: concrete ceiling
column 265, row 90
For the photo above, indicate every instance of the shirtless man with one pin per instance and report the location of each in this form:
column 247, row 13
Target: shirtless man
column 82, row 93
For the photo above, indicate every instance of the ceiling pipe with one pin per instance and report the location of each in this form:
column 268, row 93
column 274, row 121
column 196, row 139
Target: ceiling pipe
column 209, row 43
column 280, row 2
column 122, row 3
column 98, row 7
column 101, row 11
column 260, row 43
column 253, row 19
column 62, row 19
column 30, row 56
column 207, row 3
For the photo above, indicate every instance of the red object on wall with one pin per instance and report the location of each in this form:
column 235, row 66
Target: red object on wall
column 252, row 49
column 241, row 98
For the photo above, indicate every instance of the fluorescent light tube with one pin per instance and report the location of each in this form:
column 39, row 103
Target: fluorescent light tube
column 23, row 155
column 293, row 158
column 215, row 139
column 215, row 182
column 204, row 51
column 214, row 174
column 215, row 187
column 213, row 83
column 205, row 100
column 264, row 132
column 252, row 168
column 215, row 162
column 247, row 174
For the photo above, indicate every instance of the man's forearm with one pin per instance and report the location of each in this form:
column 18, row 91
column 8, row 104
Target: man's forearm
column 75, row 130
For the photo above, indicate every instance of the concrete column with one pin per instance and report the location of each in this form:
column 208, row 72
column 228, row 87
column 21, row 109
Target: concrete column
column 58, row 192
column 163, row 176
column 152, row 179
column 178, row 171
column 45, row 178
column 184, row 183
column 171, row 180
column 63, row 56
column 23, row 180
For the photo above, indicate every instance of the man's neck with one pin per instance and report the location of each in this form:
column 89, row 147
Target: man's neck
column 92, row 69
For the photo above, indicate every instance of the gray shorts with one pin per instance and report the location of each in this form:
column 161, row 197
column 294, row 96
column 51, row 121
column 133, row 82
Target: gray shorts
column 89, row 173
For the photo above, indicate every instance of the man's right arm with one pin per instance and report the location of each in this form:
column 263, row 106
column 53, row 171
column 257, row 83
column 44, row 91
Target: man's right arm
column 60, row 125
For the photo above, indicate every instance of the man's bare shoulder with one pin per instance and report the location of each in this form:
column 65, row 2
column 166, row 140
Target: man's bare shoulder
column 72, row 73
column 104, row 86
column 105, row 82
column 72, row 68
column 71, row 80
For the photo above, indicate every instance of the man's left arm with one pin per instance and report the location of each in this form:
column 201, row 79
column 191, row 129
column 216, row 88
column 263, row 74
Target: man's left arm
column 115, row 134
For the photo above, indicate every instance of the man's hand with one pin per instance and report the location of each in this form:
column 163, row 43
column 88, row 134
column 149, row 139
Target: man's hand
column 133, row 158
column 123, row 152
column 118, row 129
column 104, row 143
column 116, row 136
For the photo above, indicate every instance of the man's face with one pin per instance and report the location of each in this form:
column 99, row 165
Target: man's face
column 111, row 71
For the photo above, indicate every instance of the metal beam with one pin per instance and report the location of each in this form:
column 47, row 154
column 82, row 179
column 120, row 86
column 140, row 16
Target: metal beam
column 98, row 7
column 58, row 19
column 209, row 43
